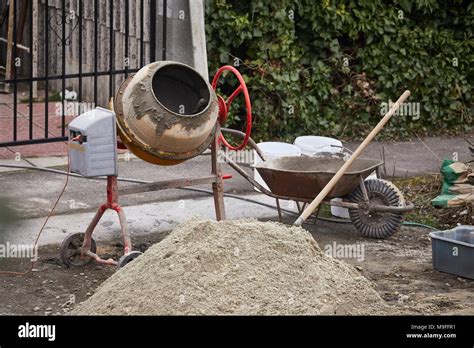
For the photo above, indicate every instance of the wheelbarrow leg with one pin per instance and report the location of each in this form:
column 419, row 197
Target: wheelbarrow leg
column 280, row 219
column 364, row 189
column 299, row 208
column 316, row 213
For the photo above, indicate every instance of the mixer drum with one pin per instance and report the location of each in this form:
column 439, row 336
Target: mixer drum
column 166, row 113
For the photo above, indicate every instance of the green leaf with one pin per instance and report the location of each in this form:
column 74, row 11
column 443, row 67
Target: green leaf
column 257, row 32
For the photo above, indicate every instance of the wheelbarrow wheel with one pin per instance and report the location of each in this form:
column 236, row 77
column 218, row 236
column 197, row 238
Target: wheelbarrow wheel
column 377, row 224
column 71, row 250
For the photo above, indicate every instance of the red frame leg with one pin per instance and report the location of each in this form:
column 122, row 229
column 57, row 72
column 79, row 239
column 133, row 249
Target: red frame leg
column 112, row 203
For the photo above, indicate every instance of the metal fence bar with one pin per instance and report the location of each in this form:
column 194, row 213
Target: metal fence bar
column 96, row 46
column 46, row 69
column 71, row 76
column 165, row 21
column 127, row 32
column 30, row 123
column 152, row 30
column 80, row 51
column 15, row 72
column 142, row 32
column 33, row 141
column 63, row 68
column 111, row 49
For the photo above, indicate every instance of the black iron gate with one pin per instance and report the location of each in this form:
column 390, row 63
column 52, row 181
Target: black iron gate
column 70, row 42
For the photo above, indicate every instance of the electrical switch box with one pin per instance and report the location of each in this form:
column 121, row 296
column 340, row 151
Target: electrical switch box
column 93, row 143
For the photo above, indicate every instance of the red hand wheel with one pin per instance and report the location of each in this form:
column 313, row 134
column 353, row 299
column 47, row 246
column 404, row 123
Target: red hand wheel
column 224, row 105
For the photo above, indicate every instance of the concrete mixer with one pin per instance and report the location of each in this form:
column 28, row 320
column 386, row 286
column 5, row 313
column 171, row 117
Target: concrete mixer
column 165, row 114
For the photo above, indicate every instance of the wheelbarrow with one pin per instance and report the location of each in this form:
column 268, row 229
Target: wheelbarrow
column 376, row 206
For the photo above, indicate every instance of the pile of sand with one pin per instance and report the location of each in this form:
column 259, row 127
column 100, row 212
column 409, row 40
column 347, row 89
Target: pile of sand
column 235, row 267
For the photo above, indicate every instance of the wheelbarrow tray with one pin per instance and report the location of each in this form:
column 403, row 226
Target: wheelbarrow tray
column 305, row 177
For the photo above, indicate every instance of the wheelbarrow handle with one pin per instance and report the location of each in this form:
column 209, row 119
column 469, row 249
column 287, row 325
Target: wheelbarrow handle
column 251, row 142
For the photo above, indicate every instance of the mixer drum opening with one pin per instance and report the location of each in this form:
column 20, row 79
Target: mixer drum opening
column 181, row 89
column 166, row 113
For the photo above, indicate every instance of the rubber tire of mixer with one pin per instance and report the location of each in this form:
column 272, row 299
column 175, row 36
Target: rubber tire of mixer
column 127, row 258
column 64, row 248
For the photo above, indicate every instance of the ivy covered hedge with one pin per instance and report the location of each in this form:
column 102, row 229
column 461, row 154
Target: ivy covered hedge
column 327, row 67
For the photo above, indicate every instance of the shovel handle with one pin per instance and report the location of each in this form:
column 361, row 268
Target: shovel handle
column 330, row 185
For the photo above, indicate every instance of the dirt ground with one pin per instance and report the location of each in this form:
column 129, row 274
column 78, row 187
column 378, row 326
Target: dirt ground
column 400, row 267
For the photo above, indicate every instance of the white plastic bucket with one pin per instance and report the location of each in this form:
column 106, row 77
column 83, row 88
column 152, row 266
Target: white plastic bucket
column 310, row 145
column 339, row 211
column 273, row 149
column 344, row 212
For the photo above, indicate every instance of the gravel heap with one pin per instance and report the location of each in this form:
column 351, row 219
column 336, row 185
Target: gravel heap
column 235, row 267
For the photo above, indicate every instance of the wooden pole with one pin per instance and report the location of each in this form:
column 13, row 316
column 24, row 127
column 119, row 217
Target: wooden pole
column 320, row 197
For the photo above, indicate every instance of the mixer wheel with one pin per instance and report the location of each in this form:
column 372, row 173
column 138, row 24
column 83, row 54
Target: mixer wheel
column 377, row 224
column 129, row 257
column 71, row 250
